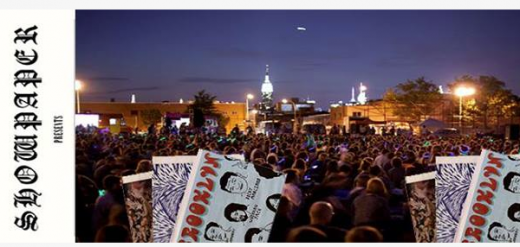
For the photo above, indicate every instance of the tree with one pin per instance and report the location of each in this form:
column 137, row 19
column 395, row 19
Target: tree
column 203, row 106
column 151, row 116
column 414, row 99
column 204, row 102
column 491, row 101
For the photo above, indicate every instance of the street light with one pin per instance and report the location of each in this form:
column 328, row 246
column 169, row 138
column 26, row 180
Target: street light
column 77, row 86
column 463, row 91
column 294, row 112
column 248, row 97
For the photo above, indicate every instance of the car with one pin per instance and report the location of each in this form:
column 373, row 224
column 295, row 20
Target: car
column 447, row 132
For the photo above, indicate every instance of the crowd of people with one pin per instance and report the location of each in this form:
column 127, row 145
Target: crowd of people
column 339, row 187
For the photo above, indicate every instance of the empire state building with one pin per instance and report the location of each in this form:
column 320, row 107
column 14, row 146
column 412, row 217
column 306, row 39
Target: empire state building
column 267, row 91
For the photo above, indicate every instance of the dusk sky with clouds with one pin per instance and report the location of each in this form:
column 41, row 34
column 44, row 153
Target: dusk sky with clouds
column 168, row 55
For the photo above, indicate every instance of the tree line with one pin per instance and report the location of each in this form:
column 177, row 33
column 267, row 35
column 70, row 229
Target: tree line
column 416, row 100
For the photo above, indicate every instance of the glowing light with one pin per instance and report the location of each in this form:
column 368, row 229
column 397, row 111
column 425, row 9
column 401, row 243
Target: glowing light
column 78, row 85
column 284, row 101
column 86, row 120
column 250, row 96
column 362, row 97
column 301, row 29
column 464, row 91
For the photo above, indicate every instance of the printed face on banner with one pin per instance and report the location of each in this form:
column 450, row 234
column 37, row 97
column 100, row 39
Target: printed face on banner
column 491, row 212
column 233, row 183
column 513, row 212
column 512, row 182
column 498, row 232
column 138, row 201
column 216, row 233
column 228, row 201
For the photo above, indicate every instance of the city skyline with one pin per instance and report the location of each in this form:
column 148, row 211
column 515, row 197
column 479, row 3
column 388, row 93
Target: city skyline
column 169, row 55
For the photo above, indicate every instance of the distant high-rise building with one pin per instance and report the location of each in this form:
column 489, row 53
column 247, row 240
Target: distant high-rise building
column 362, row 97
column 353, row 99
column 267, row 91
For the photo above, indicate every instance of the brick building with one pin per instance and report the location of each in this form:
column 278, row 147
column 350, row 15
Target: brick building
column 129, row 114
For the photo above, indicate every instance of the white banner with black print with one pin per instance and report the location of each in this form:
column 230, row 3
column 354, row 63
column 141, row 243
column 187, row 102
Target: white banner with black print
column 37, row 127
column 228, row 200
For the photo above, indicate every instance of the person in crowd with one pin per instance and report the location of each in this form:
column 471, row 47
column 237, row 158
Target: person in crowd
column 359, row 189
column 291, row 189
column 299, row 167
column 283, row 222
column 396, row 174
column 318, row 168
column 382, row 158
column 112, row 197
column 321, row 214
column 144, row 166
column 113, row 234
column 306, row 234
column 377, row 172
column 363, row 234
column 372, row 207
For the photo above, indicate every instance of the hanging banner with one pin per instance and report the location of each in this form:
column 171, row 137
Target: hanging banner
column 452, row 181
column 491, row 212
column 228, row 201
column 137, row 189
column 421, row 200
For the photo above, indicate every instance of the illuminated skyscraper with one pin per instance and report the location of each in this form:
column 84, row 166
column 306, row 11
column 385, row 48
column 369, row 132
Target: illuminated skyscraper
column 353, row 99
column 267, row 91
column 362, row 97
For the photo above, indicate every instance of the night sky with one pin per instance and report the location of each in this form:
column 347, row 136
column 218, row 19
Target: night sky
column 168, row 55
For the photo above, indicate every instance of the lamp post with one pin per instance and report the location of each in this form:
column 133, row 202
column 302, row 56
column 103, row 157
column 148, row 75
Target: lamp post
column 248, row 97
column 463, row 91
column 77, row 87
column 294, row 112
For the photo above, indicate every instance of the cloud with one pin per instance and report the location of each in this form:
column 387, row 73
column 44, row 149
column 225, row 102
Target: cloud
column 238, row 53
column 125, row 90
column 109, row 78
column 215, row 80
column 309, row 66
column 398, row 61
